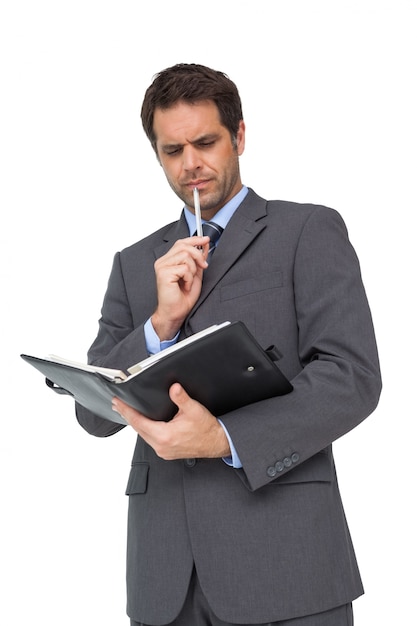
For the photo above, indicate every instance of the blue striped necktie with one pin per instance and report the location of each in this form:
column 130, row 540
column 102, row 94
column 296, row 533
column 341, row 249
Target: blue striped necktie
column 213, row 231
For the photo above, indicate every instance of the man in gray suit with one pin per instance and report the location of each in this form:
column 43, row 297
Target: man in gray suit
column 237, row 519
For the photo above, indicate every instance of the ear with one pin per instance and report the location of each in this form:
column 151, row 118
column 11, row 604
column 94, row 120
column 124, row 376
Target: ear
column 240, row 138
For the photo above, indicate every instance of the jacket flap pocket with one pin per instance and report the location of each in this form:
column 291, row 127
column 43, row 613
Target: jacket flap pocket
column 251, row 285
column 138, row 478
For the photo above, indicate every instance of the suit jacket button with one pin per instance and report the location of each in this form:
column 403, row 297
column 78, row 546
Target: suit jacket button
column 271, row 471
column 295, row 457
column 279, row 466
column 190, row 462
column 287, row 462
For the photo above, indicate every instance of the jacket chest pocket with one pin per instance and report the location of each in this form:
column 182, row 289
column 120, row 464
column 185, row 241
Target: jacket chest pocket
column 249, row 286
column 138, row 478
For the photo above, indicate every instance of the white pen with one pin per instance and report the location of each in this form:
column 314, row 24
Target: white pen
column 197, row 212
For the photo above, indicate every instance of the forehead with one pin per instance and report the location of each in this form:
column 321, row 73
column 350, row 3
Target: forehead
column 186, row 121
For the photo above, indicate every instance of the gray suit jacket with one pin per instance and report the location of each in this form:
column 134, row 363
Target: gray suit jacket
column 269, row 541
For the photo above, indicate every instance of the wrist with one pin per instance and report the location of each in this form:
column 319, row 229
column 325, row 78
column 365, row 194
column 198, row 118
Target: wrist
column 165, row 329
column 223, row 448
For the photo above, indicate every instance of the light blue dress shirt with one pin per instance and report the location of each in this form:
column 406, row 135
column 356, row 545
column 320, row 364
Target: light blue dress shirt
column 153, row 342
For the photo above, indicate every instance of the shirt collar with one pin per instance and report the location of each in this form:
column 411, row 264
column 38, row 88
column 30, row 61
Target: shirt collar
column 222, row 216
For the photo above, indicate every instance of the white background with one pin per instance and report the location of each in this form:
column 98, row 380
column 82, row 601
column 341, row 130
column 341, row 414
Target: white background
column 329, row 99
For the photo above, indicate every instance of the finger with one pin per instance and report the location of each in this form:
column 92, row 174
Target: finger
column 130, row 414
column 190, row 248
column 196, row 240
column 184, row 260
column 178, row 395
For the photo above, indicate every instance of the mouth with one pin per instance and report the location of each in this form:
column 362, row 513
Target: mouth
column 199, row 184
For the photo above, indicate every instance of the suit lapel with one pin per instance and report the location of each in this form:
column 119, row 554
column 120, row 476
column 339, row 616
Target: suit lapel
column 244, row 227
column 177, row 230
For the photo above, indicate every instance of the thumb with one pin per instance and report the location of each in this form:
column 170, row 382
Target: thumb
column 178, row 395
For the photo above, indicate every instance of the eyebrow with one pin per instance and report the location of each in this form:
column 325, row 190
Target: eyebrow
column 202, row 139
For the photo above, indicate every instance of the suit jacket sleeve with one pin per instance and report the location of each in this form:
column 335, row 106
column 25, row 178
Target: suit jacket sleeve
column 338, row 383
column 129, row 301
column 118, row 344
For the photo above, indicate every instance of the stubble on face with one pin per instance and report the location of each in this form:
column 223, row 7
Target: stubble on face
column 216, row 190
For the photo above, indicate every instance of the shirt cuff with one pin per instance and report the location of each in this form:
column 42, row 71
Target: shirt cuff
column 153, row 343
column 232, row 460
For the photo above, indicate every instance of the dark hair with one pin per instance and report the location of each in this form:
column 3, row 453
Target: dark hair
column 192, row 83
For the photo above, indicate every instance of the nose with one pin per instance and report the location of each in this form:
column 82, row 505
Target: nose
column 191, row 159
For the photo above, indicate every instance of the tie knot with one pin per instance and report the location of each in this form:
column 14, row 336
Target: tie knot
column 213, row 231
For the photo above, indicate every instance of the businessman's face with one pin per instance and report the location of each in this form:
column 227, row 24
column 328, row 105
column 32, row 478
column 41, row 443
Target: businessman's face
column 196, row 150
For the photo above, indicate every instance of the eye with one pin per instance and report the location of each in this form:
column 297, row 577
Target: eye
column 172, row 151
